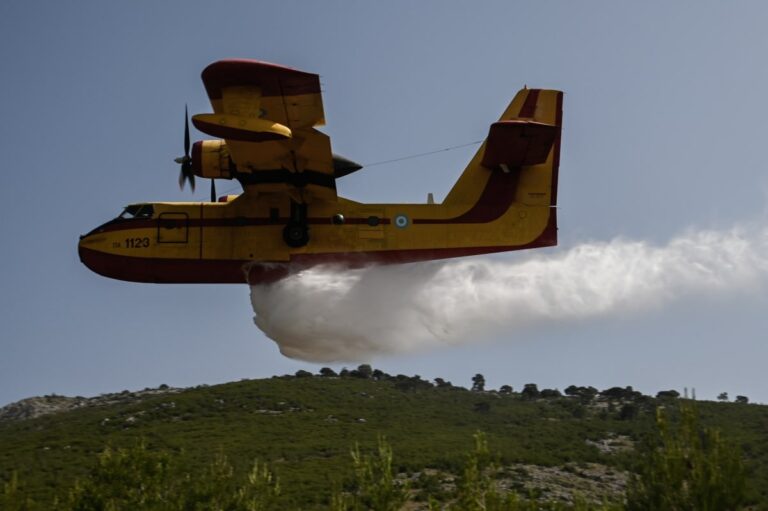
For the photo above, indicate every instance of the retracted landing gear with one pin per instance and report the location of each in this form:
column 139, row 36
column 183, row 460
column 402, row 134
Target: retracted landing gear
column 296, row 232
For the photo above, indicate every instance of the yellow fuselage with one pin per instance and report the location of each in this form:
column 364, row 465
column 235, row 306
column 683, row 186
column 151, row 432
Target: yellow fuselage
column 241, row 240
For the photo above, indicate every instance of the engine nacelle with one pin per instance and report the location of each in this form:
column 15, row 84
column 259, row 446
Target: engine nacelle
column 210, row 159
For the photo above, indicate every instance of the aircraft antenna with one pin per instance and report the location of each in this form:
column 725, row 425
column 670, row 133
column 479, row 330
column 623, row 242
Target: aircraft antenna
column 409, row 157
column 419, row 155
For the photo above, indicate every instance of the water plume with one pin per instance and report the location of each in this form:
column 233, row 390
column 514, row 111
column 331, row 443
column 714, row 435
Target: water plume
column 328, row 314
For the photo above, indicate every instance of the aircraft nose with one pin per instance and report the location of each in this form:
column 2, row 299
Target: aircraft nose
column 88, row 243
column 90, row 251
column 91, row 238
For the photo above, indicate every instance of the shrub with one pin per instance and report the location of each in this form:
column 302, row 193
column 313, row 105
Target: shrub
column 375, row 486
column 137, row 478
column 12, row 498
column 686, row 468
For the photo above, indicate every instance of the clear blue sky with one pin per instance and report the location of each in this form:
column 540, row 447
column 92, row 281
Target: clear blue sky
column 664, row 133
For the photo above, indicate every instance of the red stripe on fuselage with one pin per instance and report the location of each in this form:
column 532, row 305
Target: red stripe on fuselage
column 151, row 223
column 495, row 200
column 233, row 271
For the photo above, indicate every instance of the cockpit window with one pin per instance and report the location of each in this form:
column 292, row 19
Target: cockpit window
column 137, row 211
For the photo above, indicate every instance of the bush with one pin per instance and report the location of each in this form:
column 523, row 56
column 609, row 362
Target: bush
column 686, row 468
column 137, row 478
column 12, row 498
column 375, row 486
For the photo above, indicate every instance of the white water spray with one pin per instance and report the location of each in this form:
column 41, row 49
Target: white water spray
column 327, row 314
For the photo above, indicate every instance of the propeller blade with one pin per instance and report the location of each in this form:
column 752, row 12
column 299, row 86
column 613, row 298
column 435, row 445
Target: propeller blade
column 186, row 174
column 191, row 178
column 186, row 131
column 213, row 190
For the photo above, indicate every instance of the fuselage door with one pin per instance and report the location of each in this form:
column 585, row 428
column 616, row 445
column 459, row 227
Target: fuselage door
column 173, row 228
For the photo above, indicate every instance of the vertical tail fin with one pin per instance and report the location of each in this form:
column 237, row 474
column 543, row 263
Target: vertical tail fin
column 525, row 142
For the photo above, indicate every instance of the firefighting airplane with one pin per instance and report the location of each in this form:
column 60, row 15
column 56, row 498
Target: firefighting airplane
column 289, row 216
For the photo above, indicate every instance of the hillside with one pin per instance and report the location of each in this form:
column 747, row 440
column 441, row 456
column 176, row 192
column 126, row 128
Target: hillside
column 304, row 426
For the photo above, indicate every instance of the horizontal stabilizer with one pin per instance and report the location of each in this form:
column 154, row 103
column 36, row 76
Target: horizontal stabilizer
column 517, row 143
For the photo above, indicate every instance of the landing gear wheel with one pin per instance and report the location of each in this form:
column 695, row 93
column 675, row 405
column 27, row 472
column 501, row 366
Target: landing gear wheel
column 296, row 235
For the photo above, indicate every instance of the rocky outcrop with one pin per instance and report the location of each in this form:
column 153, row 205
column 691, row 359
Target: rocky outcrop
column 33, row 407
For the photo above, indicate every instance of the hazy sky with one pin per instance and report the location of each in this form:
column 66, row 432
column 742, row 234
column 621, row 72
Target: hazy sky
column 664, row 134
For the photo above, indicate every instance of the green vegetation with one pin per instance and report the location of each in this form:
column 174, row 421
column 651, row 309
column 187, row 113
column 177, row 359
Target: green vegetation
column 686, row 468
column 136, row 478
column 196, row 448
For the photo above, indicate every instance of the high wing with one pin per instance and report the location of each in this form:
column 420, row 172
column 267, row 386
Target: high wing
column 267, row 115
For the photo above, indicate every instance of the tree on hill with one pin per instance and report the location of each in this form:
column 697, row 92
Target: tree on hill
column 667, row 394
column 530, row 391
column 378, row 374
column 742, row 399
column 363, row 371
column 723, row 396
column 327, row 372
column 550, row 393
column 505, row 389
column 408, row 383
column 478, row 383
column 625, row 393
column 585, row 394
